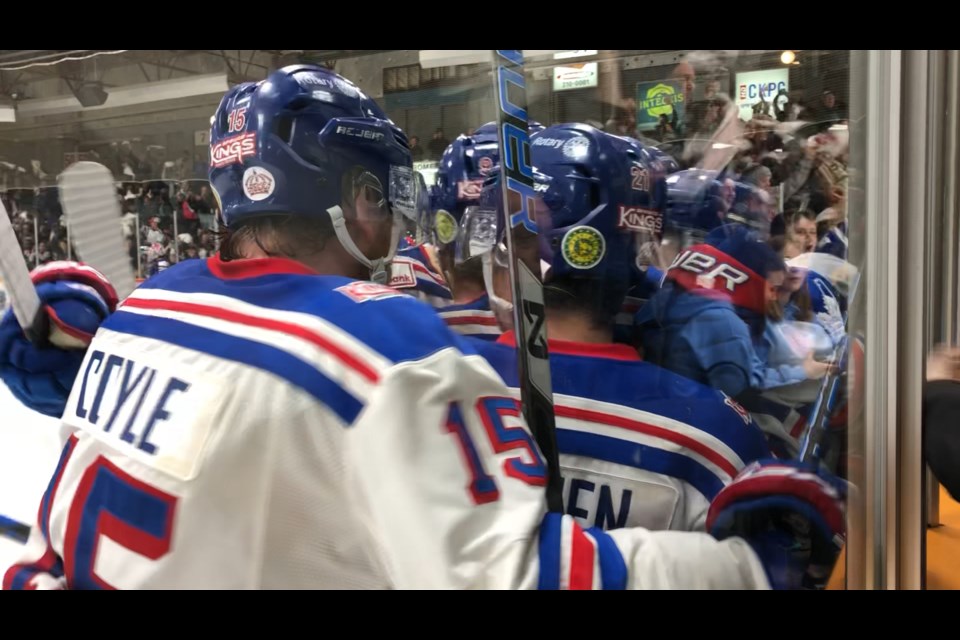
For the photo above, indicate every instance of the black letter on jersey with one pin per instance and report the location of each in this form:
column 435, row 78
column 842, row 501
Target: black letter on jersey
column 125, row 390
column 159, row 413
column 535, row 316
column 575, row 485
column 112, row 363
column 605, row 509
column 97, row 357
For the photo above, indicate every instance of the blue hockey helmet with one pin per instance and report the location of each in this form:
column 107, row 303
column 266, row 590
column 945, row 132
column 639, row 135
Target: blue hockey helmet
column 700, row 200
column 464, row 165
column 583, row 177
column 600, row 194
column 595, row 203
column 308, row 142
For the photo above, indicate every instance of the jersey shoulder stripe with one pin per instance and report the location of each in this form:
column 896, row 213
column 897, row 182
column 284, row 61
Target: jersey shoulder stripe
column 190, row 334
column 391, row 328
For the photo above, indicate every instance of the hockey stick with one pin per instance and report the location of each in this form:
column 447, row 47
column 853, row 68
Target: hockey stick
column 16, row 276
column 23, row 296
column 811, row 446
column 14, row 530
column 529, row 313
column 93, row 212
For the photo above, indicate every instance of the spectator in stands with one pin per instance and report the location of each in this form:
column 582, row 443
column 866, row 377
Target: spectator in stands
column 438, row 144
column 153, row 235
column 184, row 167
column 415, row 149
column 829, row 110
column 801, row 228
column 43, row 255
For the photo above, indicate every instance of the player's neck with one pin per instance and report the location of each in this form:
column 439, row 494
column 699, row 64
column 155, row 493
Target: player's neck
column 466, row 290
column 575, row 327
column 332, row 261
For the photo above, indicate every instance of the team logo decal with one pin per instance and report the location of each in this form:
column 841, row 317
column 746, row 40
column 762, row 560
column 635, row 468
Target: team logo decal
column 258, row 183
column 583, row 247
column 576, row 148
column 446, row 227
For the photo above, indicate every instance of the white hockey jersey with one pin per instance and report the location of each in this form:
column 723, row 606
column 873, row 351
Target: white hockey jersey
column 251, row 424
column 639, row 446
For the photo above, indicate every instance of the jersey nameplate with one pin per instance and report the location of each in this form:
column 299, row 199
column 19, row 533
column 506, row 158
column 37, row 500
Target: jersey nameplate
column 156, row 412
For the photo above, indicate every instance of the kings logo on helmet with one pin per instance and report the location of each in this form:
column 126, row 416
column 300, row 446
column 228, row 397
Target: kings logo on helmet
column 233, row 150
column 639, row 219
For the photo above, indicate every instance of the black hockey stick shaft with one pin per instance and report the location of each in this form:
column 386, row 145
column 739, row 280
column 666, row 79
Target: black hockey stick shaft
column 529, row 312
column 14, row 530
column 811, row 446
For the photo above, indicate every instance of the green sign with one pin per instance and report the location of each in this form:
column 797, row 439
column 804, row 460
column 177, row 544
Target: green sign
column 658, row 98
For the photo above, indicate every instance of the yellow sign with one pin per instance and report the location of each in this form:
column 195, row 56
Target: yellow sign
column 659, row 100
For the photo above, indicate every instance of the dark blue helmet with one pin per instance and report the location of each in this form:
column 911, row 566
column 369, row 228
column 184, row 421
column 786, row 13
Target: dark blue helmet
column 701, row 200
column 465, row 164
column 304, row 141
column 600, row 193
column 597, row 198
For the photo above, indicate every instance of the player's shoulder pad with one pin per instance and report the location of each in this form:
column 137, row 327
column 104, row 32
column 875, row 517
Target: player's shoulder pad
column 502, row 357
column 397, row 325
column 386, row 320
column 647, row 387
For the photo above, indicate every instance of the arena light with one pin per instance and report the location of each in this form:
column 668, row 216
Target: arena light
column 124, row 96
column 788, row 57
column 433, row 58
column 565, row 55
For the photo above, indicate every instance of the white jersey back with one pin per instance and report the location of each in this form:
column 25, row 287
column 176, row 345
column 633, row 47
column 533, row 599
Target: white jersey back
column 639, row 446
column 250, row 425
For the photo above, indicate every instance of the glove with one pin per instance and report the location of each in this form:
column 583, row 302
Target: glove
column 93, row 295
column 77, row 299
column 791, row 514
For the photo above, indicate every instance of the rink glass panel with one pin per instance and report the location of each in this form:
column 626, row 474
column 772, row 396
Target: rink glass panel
column 780, row 125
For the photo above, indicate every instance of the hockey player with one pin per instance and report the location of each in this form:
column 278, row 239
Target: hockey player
column 268, row 419
column 465, row 164
column 639, row 445
column 416, row 268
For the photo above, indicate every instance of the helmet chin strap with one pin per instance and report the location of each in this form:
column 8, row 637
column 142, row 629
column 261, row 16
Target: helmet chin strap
column 499, row 305
column 379, row 267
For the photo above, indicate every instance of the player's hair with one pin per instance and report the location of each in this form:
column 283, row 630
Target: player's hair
column 467, row 272
column 591, row 297
column 285, row 236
